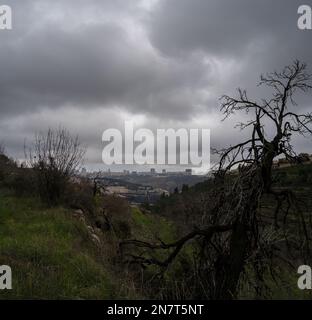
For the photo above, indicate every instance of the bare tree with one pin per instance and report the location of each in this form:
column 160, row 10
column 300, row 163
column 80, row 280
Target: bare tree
column 234, row 233
column 55, row 157
column 278, row 110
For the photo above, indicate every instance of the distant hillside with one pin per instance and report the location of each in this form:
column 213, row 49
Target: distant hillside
column 168, row 183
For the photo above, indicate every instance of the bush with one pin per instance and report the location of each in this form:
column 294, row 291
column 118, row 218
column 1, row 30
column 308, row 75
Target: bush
column 79, row 195
column 23, row 182
column 54, row 158
column 117, row 214
column 123, row 229
column 6, row 167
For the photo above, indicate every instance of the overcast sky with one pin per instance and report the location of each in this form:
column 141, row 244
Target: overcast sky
column 90, row 65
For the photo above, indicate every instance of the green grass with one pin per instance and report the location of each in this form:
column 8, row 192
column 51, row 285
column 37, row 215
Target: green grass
column 151, row 227
column 49, row 252
column 52, row 257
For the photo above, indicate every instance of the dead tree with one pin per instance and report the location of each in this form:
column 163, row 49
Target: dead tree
column 234, row 233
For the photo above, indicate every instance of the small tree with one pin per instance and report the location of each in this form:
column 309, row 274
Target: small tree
column 54, row 157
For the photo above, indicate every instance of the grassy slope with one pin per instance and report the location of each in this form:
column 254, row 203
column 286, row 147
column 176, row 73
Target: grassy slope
column 49, row 253
column 149, row 227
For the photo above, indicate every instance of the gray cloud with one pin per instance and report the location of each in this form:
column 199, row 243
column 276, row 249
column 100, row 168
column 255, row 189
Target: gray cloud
column 96, row 63
column 89, row 65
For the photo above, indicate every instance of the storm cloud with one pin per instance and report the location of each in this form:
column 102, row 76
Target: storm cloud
column 88, row 65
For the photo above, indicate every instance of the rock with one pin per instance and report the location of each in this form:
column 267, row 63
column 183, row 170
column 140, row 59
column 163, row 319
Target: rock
column 79, row 212
column 90, row 229
column 98, row 231
column 82, row 219
column 95, row 239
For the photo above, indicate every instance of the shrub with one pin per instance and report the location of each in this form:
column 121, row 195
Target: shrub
column 54, row 157
column 23, row 182
column 79, row 195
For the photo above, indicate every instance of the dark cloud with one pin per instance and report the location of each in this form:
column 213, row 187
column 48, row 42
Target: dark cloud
column 257, row 35
column 90, row 64
column 222, row 27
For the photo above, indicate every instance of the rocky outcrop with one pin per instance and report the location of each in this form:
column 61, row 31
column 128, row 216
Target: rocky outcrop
column 93, row 232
